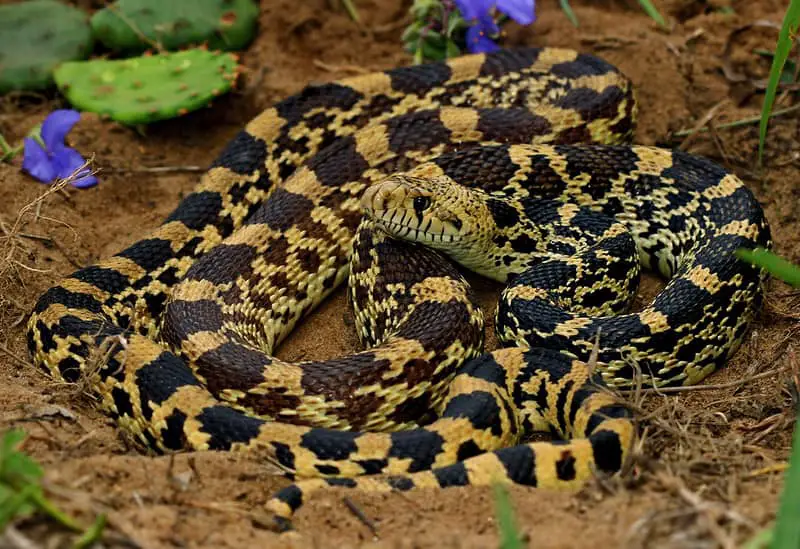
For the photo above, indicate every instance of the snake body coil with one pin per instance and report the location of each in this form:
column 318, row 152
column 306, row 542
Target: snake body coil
column 189, row 316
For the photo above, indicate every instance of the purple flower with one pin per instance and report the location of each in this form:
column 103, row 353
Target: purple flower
column 479, row 13
column 56, row 160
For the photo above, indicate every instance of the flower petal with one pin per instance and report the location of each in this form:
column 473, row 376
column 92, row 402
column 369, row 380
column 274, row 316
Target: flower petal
column 521, row 11
column 67, row 161
column 478, row 42
column 474, row 9
column 36, row 162
column 85, row 182
column 487, row 25
column 56, row 127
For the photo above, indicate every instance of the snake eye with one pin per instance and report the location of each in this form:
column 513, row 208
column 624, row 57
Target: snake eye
column 421, row 204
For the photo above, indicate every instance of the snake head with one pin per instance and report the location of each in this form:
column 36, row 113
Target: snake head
column 433, row 211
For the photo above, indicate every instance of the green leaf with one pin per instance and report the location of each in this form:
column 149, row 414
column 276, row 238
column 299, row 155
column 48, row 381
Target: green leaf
column 16, row 503
column 433, row 36
column 452, row 49
column 20, row 470
column 19, row 478
column 420, row 9
column 11, row 439
column 411, row 33
column 431, row 52
column 455, row 23
column 773, row 264
column 782, row 49
column 16, row 468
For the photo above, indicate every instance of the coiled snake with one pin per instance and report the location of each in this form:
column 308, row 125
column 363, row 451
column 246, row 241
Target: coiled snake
column 515, row 164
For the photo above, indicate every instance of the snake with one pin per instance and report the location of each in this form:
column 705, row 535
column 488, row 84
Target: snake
column 517, row 165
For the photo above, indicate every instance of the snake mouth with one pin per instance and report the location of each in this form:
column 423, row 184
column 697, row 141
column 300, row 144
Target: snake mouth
column 416, row 232
column 416, row 210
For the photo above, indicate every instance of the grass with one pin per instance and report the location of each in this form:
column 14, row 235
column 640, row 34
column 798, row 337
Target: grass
column 510, row 537
column 785, row 42
column 773, row 264
column 786, row 532
column 651, row 10
column 568, row 12
column 647, row 6
column 22, row 495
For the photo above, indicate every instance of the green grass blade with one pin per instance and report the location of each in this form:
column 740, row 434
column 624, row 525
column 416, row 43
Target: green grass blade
column 761, row 540
column 351, row 10
column 651, row 10
column 773, row 264
column 568, row 11
column 782, row 49
column 786, row 534
column 92, row 534
column 509, row 534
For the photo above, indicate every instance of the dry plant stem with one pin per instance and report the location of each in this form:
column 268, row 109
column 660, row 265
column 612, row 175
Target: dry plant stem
column 712, row 387
column 11, row 236
column 738, row 123
column 705, row 119
column 776, row 421
column 393, row 25
column 770, row 469
column 16, row 539
column 157, row 169
column 354, row 69
column 719, row 142
column 13, row 356
column 85, row 502
column 360, row 515
column 711, row 513
column 99, row 356
column 40, row 238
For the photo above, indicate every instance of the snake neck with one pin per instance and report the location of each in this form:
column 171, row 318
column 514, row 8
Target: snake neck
column 503, row 241
column 490, row 234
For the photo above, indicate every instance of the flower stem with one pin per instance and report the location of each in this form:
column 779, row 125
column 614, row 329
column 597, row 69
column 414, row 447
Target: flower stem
column 7, row 152
column 45, row 505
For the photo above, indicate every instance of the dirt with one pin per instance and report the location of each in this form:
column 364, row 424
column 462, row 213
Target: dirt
column 709, row 474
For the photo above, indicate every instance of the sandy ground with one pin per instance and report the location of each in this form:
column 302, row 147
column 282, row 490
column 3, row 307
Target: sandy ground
column 707, row 476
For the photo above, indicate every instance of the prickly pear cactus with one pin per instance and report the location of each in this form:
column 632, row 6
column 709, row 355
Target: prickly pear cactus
column 145, row 89
column 35, row 37
column 136, row 25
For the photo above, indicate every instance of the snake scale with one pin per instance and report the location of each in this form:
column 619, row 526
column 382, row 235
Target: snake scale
column 516, row 164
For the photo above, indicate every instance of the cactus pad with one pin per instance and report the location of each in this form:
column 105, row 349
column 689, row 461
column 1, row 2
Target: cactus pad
column 145, row 89
column 135, row 25
column 36, row 37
